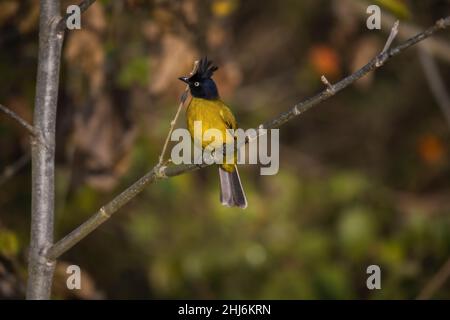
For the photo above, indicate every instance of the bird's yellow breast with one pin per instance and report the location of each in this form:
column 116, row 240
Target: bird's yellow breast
column 213, row 114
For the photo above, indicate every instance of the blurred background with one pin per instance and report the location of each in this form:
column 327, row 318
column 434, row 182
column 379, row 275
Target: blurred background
column 364, row 177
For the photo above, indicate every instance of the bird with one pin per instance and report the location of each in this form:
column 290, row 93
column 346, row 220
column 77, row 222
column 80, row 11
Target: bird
column 206, row 106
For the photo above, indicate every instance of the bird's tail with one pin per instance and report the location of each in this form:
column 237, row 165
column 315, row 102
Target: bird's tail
column 231, row 191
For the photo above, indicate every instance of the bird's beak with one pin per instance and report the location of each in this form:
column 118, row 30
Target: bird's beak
column 184, row 79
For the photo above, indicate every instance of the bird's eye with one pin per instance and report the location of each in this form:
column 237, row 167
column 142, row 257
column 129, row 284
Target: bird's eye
column 196, row 84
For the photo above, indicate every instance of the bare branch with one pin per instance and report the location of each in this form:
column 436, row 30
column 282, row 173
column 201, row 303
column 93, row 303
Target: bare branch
column 392, row 35
column 51, row 36
column 160, row 173
column 435, row 82
column 19, row 120
column 387, row 46
column 438, row 47
column 31, row 130
column 62, row 24
column 329, row 86
column 40, row 270
column 174, row 121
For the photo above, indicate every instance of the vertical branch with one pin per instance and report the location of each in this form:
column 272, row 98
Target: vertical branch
column 40, row 271
column 174, row 121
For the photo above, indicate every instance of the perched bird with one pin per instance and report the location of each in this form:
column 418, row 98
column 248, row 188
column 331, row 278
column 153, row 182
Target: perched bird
column 206, row 106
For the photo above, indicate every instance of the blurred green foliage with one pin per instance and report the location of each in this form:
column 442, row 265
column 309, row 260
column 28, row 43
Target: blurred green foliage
column 135, row 72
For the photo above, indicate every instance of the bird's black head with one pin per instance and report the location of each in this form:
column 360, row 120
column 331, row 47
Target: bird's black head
column 200, row 83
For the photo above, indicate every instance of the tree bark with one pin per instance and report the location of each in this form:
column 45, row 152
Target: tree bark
column 40, row 271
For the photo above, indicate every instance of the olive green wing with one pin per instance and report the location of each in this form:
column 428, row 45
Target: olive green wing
column 227, row 116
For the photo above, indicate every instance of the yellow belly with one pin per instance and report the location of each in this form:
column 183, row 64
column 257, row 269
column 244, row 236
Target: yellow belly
column 211, row 114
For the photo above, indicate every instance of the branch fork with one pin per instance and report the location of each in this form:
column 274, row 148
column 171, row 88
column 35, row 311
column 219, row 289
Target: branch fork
column 383, row 56
column 330, row 88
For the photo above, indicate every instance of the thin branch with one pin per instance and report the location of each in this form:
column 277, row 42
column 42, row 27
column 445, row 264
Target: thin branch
column 438, row 47
column 31, row 130
column 14, row 168
column 392, row 35
column 174, row 121
column 62, row 24
column 329, row 86
column 435, row 82
column 436, row 282
column 372, row 65
column 158, row 173
column 391, row 38
column 19, row 120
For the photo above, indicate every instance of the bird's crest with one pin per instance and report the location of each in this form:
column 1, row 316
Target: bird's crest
column 205, row 69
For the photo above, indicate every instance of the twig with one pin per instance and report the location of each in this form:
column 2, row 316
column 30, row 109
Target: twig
column 372, row 65
column 62, row 24
column 12, row 169
column 31, row 130
column 438, row 47
column 19, row 119
column 436, row 282
column 109, row 209
column 435, row 82
column 174, row 121
column 392, row 35
column 391, row 38
column 329, row 86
